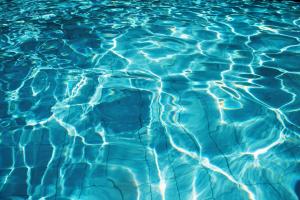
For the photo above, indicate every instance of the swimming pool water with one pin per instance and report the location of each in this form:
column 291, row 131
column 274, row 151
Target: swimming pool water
column 149, row 100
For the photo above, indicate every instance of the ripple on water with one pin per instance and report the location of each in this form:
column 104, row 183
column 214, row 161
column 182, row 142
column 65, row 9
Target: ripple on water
column 266, row 42
column 158, row 100
column 129, row 112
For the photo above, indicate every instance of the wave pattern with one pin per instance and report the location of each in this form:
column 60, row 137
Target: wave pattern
column 170, row 100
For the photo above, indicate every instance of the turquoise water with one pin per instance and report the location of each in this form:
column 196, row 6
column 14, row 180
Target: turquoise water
column 149, row 100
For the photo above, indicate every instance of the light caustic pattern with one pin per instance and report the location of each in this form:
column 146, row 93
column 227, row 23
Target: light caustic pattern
column 158, row 100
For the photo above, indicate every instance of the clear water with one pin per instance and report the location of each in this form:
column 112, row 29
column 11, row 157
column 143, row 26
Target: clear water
column 149, row 100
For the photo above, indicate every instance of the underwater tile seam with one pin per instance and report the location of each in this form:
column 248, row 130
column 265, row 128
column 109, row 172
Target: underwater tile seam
column 149, row 100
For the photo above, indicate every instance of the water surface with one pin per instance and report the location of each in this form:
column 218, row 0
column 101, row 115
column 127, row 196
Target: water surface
column 149, row 100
